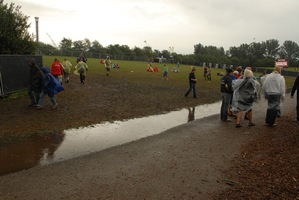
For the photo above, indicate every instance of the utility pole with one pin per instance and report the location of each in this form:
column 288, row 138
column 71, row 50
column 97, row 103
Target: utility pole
column 37, row 38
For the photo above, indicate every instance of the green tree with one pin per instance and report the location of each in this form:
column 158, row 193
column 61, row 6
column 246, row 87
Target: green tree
column 138, row 51
column 257, row 50
column 114, row 50
column 199, row 49
column 65, row 44
column 165, row 54
column 79, row 47
column 97, row 48
column 148, row 52
column 125, row 49
column 271, row 48
column 289, row 50
column 14, row 35
column 46, row 48
column 87, row 44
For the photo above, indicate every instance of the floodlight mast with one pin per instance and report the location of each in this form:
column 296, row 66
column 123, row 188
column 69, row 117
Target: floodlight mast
column 36, row 26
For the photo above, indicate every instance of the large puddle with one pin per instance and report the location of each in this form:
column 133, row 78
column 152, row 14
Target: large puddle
column 42, row 150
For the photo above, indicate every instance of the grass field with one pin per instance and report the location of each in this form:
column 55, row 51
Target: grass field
column 136, row 71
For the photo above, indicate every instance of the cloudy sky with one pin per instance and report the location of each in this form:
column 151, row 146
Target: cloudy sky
column 161, row 24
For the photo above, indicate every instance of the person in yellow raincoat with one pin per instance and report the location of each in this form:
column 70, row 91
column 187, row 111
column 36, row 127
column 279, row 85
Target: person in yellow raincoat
column 81, row 69
column 67, row 69
column 107, row 63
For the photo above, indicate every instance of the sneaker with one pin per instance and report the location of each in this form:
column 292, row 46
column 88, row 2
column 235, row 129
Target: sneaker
column 271, row 125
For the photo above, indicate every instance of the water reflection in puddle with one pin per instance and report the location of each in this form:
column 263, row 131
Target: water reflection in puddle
column 71, row 143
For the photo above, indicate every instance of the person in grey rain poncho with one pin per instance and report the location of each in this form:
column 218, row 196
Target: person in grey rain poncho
column 273, row 89
column 245, row 93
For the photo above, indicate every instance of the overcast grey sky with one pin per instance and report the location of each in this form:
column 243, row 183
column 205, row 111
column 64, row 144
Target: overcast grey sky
column 180, row 24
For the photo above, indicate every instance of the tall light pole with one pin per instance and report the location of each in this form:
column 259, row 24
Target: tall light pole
column 36, row 26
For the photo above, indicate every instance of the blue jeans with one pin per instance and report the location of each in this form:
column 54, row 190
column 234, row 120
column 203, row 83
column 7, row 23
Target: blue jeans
column 191, row 87
column 226, row 98
column 82, row 78
column 41, row 99
column 34, row 96
column 273, row 108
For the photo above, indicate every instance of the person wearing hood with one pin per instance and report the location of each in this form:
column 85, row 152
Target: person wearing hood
column 50, row 87
column 67, row 65
column 57, row 70
column 245, row 93
column 81, row 70
column 35, row 82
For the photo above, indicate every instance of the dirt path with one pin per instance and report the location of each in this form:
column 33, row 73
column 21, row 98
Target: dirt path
column 186, row 162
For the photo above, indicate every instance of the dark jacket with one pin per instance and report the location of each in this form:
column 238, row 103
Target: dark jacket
column 35, row 78
column 192, row 76
column 295, row 87
column 226, row 84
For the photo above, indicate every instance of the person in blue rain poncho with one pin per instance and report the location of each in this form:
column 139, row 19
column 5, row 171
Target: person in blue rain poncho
column 50, row 87
column 246, row 92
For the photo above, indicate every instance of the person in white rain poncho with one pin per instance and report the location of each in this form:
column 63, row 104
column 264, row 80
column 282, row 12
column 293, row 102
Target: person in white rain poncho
column 274, row 89
column 245, row 93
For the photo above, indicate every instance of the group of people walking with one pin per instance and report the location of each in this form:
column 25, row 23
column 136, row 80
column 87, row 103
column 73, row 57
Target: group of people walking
column 239, row 94
column 239, row 89
column 44, row 83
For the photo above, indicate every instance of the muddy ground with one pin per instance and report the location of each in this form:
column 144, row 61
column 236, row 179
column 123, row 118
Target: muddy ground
column 100, row 99
column 256, row 163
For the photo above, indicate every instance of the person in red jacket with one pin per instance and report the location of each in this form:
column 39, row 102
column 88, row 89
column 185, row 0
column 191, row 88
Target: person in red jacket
column 57, row 70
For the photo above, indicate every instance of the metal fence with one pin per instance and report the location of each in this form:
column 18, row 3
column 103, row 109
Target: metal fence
column 14, row 72
column 268, row 71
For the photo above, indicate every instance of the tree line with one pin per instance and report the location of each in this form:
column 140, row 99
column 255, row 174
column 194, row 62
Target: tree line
column 15, row 39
